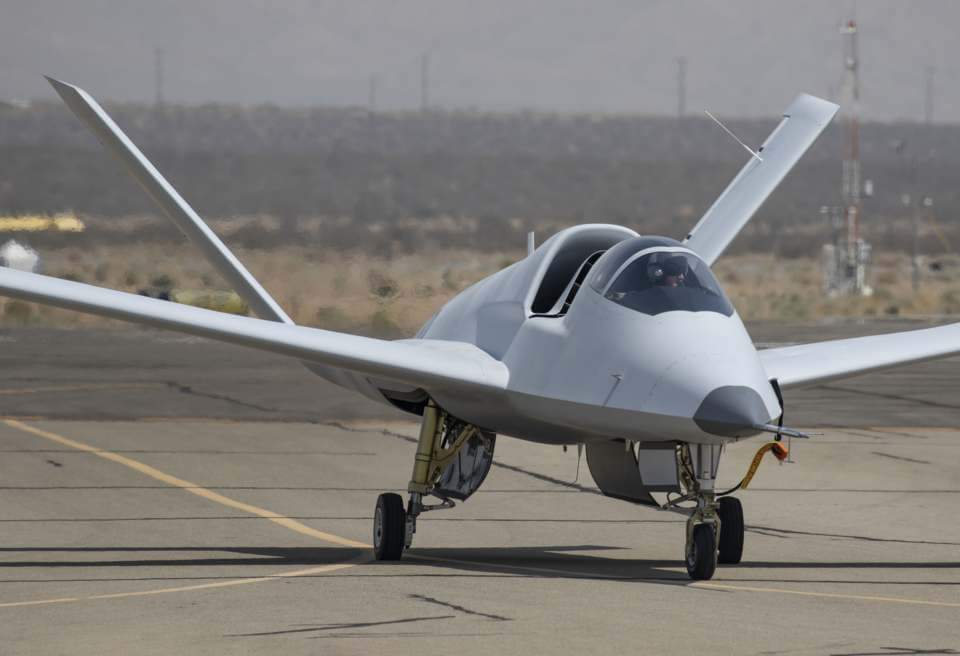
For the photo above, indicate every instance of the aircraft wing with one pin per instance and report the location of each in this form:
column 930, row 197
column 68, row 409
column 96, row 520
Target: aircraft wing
column 419, row 362
column 172, row 203
column 808, row 364
column 802, row 123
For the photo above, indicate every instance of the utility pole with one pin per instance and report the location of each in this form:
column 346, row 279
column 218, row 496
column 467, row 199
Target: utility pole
column 158, row 77
column 424, row 81
column 372, row 97
column 681, row 86
column 928, row 95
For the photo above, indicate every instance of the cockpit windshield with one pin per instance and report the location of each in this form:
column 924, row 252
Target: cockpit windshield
column 663, row 281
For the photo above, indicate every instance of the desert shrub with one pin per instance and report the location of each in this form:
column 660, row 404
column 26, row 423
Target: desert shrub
column 340, row 281
column 950, row 302
column 17, row 312
column 383, row 325
column 450, row 281
column 424, row 291
column 102, row 272
column 162, row 281
column 382, row 286
column 331, row 318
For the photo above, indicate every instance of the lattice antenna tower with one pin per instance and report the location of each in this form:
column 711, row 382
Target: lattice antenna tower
column 851, row 161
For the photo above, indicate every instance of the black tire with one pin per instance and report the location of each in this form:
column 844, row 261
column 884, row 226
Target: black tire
column 702, row 553
column 389, row 527
column 730, row 550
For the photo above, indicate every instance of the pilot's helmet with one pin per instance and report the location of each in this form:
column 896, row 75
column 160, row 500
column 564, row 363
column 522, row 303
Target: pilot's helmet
column 671, row 266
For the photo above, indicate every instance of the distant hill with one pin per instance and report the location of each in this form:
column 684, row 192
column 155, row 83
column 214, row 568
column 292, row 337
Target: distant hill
column 657, row 174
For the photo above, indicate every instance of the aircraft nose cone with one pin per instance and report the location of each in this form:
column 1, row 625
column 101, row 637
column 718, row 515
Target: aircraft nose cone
column 731, row 411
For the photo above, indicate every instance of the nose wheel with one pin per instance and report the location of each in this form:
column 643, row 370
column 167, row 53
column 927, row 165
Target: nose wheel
column 730, row 544
column 702, row 552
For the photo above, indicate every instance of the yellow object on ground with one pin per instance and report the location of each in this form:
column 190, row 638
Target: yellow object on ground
column 220, row 301
column 41, row 223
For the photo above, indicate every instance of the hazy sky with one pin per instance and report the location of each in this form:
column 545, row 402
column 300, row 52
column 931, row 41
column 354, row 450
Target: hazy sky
column 745, row 57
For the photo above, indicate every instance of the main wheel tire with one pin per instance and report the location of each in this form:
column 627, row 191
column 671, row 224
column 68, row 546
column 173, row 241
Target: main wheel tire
column 702, row 553
column 389, row 527
column 731, row 531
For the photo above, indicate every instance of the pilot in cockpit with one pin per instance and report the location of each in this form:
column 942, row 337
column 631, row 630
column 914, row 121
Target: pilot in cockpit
column 671, row 272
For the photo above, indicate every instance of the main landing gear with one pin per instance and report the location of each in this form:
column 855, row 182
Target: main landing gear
column 451, row 462
column 715, row 526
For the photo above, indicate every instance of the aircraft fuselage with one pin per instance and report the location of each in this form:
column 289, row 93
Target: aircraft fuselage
column 599, row 369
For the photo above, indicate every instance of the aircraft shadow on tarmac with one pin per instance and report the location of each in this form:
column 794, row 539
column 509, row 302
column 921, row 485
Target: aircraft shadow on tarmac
column 567, row 561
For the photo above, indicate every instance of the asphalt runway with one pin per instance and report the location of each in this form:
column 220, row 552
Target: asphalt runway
column 162, row 494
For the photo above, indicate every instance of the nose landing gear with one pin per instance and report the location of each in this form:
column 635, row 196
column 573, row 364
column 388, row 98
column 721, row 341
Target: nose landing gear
column 715, row 526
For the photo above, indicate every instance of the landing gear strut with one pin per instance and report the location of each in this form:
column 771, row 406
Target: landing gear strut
column 715, row 526
column 452, row 460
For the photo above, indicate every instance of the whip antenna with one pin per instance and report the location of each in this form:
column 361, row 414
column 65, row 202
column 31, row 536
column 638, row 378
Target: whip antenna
column 735, row 137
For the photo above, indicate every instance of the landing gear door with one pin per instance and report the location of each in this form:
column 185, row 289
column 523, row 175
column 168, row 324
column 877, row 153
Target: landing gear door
column 657, row 464
column 466, row 472
column 623, row 471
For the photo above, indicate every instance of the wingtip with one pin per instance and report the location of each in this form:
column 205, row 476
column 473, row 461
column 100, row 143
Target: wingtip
column 59, row 85
column 807, row 104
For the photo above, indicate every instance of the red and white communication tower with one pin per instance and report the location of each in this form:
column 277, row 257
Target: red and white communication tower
column 846, row 260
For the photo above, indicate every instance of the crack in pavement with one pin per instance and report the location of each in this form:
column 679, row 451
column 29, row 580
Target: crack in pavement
column 334, row 627
column 784, row 533
column 187, row 389
column 467, row 611
column 903, row 458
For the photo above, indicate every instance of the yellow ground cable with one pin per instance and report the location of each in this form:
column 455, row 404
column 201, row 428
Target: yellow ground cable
column 779, row 450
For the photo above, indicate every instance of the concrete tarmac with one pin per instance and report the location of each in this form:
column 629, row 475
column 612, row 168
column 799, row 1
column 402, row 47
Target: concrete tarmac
column 160, row 494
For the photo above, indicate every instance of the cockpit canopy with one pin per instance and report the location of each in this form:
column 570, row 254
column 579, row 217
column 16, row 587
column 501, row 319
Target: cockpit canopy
column 654, row 275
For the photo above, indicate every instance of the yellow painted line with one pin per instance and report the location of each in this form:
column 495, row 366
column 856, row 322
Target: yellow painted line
column 827, row 595
column 298, row 527
column 79, row 388
column 324, row 569
column 187, row 486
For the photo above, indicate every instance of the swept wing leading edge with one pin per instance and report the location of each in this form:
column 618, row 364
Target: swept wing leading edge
column 172, row 203
column 808, row 364
column 421, row 363
column 802, row 123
